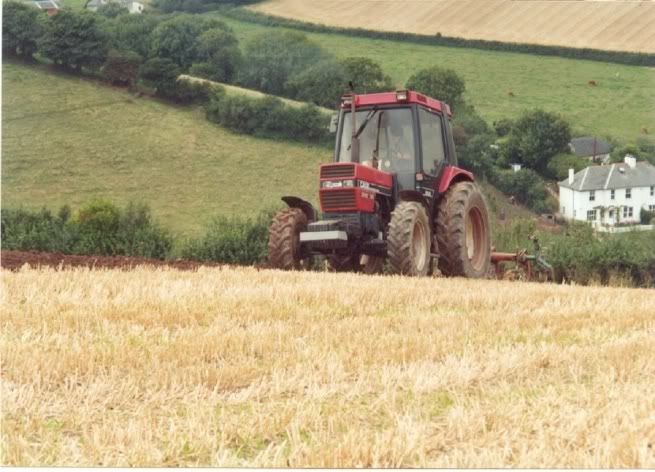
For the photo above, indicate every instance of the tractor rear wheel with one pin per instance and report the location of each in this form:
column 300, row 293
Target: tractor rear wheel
column 357, row 263
column 463, row 232
column 284, row 250
column 408, row 239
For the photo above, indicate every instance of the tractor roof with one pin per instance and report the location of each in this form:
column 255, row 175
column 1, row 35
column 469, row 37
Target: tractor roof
column 392, row 98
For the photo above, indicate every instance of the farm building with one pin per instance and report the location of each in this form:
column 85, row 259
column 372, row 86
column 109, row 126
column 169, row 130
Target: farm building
column 591, row 148
column 609, row 195
column 132, row 6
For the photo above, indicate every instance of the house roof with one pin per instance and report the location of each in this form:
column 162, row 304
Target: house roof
column 584, row 146
column 612, row 177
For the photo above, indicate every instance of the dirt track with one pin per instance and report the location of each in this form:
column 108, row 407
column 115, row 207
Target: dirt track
column 14, row 260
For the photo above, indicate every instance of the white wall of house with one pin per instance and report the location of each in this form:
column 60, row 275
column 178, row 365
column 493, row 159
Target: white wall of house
column 608, row 208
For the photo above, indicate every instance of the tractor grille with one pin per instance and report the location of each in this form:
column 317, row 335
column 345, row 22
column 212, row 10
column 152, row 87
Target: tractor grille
column 331, row 172
column 338, row 199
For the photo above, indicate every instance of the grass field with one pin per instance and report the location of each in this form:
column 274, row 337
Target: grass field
column 66, row 140
column 239, row 367
column 613, row 25
column 619, row 106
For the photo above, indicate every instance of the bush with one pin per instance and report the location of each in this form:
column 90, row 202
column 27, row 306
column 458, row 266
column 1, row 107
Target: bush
column 268, row 117
column 322, row 83
column 161, row 75
column 21, row 28
column 525, row 185
column 122, row 67
column 367, row 76
column 232, row 240
column 218, row 52
column 131, row 32
column 112, row 10
column 99, row 228
column 443, row 84
column 646, row 217
column 271, row 58
column 559, row 165
column 535, row 138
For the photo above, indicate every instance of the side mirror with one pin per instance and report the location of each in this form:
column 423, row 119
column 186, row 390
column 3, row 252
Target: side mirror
column 334, row 121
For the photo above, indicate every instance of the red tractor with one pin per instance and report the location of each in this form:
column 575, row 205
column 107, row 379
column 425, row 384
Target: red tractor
column 394, row 192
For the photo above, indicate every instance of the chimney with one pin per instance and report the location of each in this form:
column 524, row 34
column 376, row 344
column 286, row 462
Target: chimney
column 630, row 160
column 571, row 176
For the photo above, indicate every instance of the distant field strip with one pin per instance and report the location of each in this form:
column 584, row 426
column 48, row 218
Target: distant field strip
column 248, row 368
column 615, row 25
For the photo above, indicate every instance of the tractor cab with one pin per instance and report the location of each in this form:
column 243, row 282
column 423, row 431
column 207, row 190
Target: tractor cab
column 403, row 133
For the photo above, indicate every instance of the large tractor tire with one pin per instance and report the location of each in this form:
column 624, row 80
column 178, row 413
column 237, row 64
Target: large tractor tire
column 284, row 240
column 408, row 239
column 463, row 232
column 357, row 263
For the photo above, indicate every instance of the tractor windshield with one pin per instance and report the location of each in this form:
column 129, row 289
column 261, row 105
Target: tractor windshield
column 387, row 136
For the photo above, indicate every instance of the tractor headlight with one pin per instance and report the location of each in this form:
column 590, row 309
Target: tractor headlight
column 348, row 183
column 337, row 183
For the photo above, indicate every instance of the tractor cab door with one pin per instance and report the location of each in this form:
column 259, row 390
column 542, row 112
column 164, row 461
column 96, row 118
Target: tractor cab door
column 434, row 146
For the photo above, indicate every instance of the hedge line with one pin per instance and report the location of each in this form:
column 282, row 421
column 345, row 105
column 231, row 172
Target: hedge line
column 617, row 57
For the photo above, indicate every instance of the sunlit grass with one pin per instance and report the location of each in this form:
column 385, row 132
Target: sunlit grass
column 239, row 367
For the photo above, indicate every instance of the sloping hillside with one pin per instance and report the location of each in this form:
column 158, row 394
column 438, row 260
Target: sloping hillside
column 615, row 25
column 66, row 140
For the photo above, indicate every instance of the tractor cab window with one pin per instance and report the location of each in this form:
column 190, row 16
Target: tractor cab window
column 431, row 141
column 385, row 135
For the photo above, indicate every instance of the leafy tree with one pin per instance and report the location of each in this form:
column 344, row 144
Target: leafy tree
column 74, row 39
column 160, row 74
column 367, row 76
column 473, row 139
column 322, row 83
column 219, row 55
column 536, row 137
column 177, row 38
column 122, row 67
column 112, row 10
column 131, row 32
column 437, row 82
column 271, row 58
column 21, row 29
column 503, row 127
column 559, row 165
column 619, row 153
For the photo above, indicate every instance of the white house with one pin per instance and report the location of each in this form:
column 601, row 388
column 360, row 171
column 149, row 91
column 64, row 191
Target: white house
column 610, row 194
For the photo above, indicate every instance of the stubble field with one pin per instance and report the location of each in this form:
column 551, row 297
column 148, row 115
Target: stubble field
column 611, row 25
column 240, row 367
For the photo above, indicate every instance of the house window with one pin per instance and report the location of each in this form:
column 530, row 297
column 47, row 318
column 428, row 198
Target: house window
column 627, row 212
column 652, row 190
column 651, row 207
column 612, row 194
column 591, row 215
column 592, row 195
column 628, row 193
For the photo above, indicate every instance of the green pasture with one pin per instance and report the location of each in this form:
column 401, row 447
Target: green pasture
column 69, row 140
column 619, row 106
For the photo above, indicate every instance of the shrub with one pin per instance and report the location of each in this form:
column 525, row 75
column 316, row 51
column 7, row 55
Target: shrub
column 192, row 91
column 366, row 75
column 525, row 185
column 122, row 67
column 443, row 84
column 232, row 240
column 131, row 32
column 271, row 58
column 218, row 52
column 161, row 75
column 25, row 230
column 646, row 217
column 21, row 28
column 536, row 137
column 74, row 40
column 559, row 165
column 112, row 10
column 322, row 83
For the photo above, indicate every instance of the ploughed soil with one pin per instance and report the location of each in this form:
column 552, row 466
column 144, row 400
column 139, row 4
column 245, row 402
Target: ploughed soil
column 14, row 260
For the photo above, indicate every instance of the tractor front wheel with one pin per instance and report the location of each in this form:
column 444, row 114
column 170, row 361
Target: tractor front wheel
column 463, row 232
column 408, row 240
column 284, row 251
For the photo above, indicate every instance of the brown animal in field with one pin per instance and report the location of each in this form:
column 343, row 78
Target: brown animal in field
column 510, row 94
column 644, row 130
column 592, row 83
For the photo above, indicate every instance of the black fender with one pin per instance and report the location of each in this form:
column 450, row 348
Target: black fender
column 305, row 206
